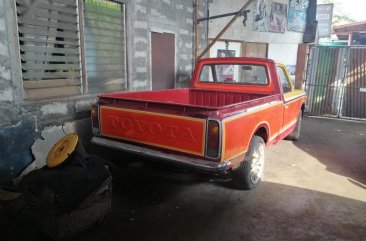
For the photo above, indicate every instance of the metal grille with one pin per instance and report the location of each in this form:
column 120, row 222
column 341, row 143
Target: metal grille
column 336, row 82
column 104, row 46
column 49, row 45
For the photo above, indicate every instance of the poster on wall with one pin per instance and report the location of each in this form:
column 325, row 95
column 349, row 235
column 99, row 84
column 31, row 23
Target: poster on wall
column 225, row 49
column 278, row 18
column 297, row 15
column 225, row 72
column 262, row 11
column 225, row 53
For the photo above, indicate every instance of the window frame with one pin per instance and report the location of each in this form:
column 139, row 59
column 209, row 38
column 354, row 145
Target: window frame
column 123, row 4
column 285, row 74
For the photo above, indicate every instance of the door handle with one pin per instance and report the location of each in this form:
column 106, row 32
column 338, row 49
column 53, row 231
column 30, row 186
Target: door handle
column 286, row 105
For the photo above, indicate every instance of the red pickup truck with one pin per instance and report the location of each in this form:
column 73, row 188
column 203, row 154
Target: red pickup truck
column 221, row 124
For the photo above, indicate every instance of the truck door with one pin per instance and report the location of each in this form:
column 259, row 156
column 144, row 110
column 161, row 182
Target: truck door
column 291, row 107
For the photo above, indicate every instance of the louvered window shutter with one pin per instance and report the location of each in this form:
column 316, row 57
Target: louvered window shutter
column 104, row 36
column 49, row 48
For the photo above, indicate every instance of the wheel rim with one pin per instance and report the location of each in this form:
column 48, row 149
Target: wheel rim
column 257, row 164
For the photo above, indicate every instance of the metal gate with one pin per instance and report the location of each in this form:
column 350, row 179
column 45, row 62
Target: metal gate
column 336, row 82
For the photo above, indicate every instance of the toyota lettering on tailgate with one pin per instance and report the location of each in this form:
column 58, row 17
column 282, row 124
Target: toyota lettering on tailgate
column 178, row 133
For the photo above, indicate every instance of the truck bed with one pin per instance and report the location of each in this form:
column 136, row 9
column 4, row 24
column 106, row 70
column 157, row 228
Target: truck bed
column 187, row 100
column 172, row 119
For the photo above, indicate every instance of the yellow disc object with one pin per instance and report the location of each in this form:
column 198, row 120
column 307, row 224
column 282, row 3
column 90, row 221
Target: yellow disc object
column 62, row 150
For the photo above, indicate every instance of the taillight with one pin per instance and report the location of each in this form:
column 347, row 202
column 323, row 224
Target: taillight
column 95, row 119
column 213, row 139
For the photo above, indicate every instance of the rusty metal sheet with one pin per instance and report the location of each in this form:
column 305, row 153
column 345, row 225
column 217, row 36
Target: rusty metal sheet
column 336, row 82
column 322, row 80
column 354, row 101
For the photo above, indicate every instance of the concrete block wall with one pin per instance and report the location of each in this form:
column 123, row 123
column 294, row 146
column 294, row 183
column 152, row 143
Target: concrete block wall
column 22, row 122
column 13, row 130
column 6, row 88
column 170, row 16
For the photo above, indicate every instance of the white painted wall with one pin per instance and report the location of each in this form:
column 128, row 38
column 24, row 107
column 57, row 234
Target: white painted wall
column 281, row 46
column 238, row 32
column 285, row 53
column 236, row 46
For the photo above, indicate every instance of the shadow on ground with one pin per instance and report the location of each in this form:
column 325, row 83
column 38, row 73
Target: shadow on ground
column 340, row 145
column 151, row 202
column 155, row 202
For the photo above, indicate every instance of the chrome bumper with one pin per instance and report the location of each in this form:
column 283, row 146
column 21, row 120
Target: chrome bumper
column 190, row 162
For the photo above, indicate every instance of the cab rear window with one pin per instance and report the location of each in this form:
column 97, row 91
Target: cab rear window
column 246, row 74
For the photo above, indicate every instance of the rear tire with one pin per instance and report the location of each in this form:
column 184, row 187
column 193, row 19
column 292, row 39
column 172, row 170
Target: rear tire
column 248, row 174
column 295, row 134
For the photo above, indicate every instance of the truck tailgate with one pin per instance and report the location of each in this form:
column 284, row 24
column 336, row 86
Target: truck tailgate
column 179, row 133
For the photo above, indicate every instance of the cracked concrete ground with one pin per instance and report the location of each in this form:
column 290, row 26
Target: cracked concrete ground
column 313, row 189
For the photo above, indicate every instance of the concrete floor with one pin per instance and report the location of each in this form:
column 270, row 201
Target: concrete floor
column 313, row 189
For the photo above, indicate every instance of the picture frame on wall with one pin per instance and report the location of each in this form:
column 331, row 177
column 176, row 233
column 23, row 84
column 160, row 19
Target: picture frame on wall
column 224, row 49
column 278, row 18
column 261, row 15
column 297, row 15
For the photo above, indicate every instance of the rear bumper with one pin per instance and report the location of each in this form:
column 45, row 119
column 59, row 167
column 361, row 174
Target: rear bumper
column 190, row 162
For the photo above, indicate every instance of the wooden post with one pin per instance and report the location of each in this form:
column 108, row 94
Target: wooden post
column 84, row 82
column 301, row 63
column 196, row 30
